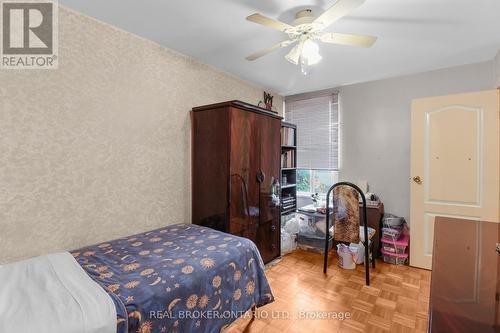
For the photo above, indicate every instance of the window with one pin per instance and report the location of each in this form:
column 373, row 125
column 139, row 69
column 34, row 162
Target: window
column 317, row 120
column 310, row 181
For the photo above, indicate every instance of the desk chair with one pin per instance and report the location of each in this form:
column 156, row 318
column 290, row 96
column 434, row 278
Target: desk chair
column 366, row 238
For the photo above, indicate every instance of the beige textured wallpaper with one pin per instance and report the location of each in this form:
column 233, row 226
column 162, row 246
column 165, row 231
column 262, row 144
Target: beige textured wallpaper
column 100, row 148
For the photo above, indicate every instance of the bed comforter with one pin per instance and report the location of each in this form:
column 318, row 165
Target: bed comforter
column 181, row 278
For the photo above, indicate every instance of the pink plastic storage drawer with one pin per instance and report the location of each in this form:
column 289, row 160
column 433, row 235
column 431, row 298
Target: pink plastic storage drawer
column 394, row 258
column 396, row 246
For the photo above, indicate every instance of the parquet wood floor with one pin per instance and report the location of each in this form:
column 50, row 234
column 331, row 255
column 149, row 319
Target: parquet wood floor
column 397, row 299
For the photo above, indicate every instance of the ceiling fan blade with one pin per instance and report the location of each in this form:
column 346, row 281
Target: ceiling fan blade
column 348, row 39
column 340, row 9
column 268, row 22
column 273, row 48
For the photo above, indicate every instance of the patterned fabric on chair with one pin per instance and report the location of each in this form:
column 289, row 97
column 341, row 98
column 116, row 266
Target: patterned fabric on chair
column 346, row 214
column 371, row 233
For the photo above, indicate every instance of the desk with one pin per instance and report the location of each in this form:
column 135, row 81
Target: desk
column 374, row 218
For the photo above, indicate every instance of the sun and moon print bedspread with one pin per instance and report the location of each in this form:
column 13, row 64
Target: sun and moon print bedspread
column 181, row 278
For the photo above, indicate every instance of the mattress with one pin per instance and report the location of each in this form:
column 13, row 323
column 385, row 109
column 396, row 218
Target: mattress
column 52, row 293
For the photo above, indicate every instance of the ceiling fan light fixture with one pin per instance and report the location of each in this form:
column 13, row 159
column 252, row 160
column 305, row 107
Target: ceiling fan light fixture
column 310, row 52
column 306, row 29
column 294, row 55
column 309, row 56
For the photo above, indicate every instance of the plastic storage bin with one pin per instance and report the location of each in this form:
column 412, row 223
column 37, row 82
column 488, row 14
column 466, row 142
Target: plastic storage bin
column 395, row 246
column 314, row 244
column 394, row 258
column 391, row 234
column 392, row 221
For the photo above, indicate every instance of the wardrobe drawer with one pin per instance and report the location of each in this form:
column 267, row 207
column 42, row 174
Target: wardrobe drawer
column 268, row 240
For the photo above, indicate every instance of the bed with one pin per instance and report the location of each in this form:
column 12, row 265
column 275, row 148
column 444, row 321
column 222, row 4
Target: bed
column 180, row 278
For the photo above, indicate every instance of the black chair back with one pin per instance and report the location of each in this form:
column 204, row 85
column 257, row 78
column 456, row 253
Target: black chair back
column 366, row 242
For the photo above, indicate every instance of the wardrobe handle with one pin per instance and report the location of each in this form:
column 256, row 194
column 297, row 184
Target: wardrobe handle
column 273, row 227
column 261, row 176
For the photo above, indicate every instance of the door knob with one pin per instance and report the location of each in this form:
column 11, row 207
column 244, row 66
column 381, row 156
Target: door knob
column 417, row 179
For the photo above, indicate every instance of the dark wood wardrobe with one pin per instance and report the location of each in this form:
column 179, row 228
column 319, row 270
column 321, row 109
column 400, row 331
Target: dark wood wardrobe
column 235, row 172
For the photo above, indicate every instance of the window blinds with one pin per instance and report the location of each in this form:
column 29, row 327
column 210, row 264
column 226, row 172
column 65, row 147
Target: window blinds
column 317, row 121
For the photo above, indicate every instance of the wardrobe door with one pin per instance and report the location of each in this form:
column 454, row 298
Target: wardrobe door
column 210, row 168
column 244, row 165
column 269, row 228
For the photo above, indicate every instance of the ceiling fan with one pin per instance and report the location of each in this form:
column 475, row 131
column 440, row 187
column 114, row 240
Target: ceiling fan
column 306, row 29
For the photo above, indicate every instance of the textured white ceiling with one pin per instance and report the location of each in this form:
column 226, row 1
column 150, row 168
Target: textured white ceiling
column 414, row 36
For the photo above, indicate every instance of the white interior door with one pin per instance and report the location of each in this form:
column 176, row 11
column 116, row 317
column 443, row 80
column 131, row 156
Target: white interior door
column 454, row 164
